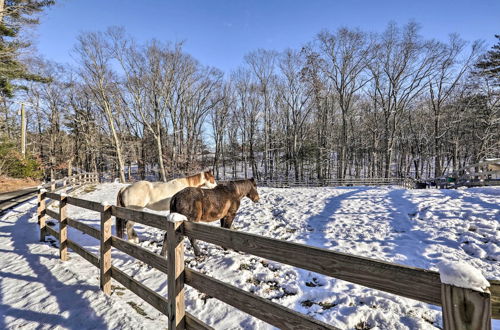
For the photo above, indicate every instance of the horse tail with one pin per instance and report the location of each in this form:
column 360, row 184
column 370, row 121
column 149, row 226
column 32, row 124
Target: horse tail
column 172, row 203
column 120, row 223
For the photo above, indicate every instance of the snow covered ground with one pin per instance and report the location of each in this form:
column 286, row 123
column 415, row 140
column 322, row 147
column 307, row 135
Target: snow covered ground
column 411, row 227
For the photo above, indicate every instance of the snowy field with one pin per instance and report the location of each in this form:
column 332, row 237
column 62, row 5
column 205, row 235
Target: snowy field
column 411, row 227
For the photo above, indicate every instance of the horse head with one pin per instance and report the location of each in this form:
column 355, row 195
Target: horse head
column 208, row 180
column 253, row 194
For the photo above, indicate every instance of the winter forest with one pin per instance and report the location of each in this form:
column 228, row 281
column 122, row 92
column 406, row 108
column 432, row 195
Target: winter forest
column 348, row 104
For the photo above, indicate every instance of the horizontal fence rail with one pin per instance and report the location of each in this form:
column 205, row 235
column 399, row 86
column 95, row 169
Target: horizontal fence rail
column 24, row 195
column 484, row 173
column 282, row 183
column 410, row 282
column 249, row 303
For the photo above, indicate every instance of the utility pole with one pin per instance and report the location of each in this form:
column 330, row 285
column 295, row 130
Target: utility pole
column 2, row 5
column 23, row 131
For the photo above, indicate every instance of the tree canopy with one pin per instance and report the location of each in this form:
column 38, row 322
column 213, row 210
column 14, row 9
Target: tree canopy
column 14, row 16
column 490, row 64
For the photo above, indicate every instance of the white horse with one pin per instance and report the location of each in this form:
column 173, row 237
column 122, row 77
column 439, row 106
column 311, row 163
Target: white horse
column 155, row 196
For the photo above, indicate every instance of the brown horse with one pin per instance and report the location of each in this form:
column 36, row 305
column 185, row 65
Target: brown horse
column 207, row 205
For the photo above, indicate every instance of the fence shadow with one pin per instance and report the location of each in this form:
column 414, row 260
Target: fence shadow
column 70, row 301
column 318, row 224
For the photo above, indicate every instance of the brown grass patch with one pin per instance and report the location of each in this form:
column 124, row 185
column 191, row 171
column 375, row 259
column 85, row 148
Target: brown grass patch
column 12, row 184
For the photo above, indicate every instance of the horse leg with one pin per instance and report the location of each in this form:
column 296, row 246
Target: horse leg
column 227, row 222
column 196, row 249
column 132, row 235
column 198, row 206
column 163, row 252
column 120, row 224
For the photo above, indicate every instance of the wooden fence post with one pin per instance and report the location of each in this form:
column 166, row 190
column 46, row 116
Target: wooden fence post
column 105, row 261
column 52, row 186
column 175, row 256
column 465, row 309
column 63, row 228
column 41, row 213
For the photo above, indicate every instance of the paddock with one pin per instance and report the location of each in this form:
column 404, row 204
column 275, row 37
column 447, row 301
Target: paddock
column 389, row 225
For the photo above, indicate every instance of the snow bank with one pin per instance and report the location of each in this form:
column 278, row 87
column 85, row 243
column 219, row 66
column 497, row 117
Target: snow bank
column 176, row 217
column 463, row 275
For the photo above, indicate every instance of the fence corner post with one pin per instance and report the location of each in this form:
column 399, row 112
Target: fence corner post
column 465, row 308
column 175, row 259
column 41, row 210
column 105, row 260
column 63, row 228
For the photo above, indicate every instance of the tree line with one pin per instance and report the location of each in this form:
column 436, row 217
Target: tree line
column 350, row 103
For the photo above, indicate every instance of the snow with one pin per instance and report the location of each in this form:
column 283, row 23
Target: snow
column 462, row 275
column 176, row 217
column 419, row 228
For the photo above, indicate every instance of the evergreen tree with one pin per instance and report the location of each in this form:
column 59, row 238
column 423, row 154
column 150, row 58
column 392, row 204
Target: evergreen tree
column 14, row 15
column 489, row 65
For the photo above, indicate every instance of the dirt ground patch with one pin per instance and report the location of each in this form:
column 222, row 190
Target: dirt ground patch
column 11, row 184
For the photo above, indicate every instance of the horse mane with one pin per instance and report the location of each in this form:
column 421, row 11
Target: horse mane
column 242, row 187
column 194, row 180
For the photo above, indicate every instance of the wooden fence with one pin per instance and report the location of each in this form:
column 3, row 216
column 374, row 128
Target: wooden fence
column 484, row 173
column 75, row 181
column 406, row 182
column 461, row 307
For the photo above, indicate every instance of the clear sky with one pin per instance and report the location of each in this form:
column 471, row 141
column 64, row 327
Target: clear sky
column 220, row 32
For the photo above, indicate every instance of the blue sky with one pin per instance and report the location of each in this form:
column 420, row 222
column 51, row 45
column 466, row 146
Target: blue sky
column 220, row 32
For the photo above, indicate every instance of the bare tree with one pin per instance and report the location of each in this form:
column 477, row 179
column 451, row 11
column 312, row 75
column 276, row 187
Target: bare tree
column 401, row 68
column 220, row 121
column 296, row 96
column 450, row 70
column 345, row 56
column 262, row 63
column 95, row 59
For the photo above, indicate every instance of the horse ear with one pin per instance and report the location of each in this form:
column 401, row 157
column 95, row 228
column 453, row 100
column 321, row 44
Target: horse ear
column 253, row 181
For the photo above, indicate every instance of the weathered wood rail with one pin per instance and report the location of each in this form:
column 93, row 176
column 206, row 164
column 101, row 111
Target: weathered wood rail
column 283, row 183
column 18, row 197
column 410, row 282
column 484, row 173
